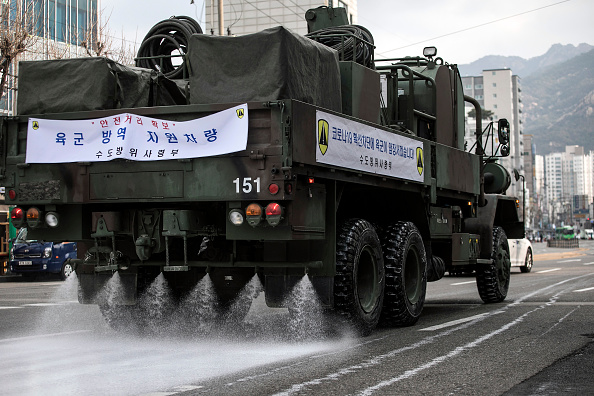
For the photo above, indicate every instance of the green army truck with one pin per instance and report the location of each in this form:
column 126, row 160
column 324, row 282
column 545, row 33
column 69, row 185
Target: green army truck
column 279, row 155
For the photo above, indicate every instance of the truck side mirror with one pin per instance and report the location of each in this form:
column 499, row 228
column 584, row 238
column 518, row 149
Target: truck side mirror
column 503, row 131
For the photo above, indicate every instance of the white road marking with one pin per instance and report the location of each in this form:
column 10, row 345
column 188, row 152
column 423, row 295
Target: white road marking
column 463, row 283
column 185, row 388
column 378, row 359
column 44, row 336
column 589, row 263
column 583, row 290
column 549, row 270
column 9, row 307
column 454, row 322
column 41, row 305
column 569, row 260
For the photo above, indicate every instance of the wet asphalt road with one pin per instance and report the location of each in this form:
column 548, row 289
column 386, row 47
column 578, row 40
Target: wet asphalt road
column 537, row 342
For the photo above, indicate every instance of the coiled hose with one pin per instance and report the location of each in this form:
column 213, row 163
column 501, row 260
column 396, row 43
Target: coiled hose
column 162, row 41
column 353, row 42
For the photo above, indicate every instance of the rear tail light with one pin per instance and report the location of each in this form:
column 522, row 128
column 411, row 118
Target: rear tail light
column 33, row 217
column 17, row 217
column 274, row 214
column 254, row 214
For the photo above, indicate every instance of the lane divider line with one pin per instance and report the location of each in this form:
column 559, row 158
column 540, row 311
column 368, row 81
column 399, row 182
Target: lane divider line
column 583, row 290
column 549, row 270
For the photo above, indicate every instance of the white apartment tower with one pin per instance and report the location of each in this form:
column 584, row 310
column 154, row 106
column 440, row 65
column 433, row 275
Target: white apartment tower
column 242, row 17
column 499, row 91
column 569, row 184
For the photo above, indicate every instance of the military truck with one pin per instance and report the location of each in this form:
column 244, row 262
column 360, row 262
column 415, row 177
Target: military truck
column 295, row 156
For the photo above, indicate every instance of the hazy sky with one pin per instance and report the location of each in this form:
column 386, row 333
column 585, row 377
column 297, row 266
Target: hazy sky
column 462, row 30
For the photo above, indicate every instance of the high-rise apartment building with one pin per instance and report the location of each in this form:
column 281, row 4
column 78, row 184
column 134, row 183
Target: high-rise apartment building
column 60, row 25
column 568, row 181
column 242, row 17
column 499, row 91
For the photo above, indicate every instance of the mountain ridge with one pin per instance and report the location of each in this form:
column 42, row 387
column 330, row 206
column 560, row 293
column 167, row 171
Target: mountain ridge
column 557, row 94
column 522, row 67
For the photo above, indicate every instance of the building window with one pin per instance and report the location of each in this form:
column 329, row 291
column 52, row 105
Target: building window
column 494, row 85
column 478, row 86
column 51, row 20
column 61, row 21
column 493, row 73
column 494, row 106
column 494, row 95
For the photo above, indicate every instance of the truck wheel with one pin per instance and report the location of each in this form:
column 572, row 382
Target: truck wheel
column 66, row 270
column 527, row 267
column 406, row 274
column 359, row 280
column 492, row 280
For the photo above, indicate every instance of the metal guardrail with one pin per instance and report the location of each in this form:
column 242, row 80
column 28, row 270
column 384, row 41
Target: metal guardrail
column 563, row 243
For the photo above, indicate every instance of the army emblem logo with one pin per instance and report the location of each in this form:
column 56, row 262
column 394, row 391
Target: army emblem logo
column 323, row 127
column 420, row 160
column 240, row 113
column 35, row 125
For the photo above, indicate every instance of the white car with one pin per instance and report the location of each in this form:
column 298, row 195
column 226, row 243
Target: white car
column 520, row 251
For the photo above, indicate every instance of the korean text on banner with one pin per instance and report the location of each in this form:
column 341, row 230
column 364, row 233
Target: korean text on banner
column 352, row 145
column 137, row 138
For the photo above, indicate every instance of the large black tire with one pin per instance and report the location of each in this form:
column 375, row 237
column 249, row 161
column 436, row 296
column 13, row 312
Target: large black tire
column 492, row 280
column 359, row 281
column 405, row 260
column 528, row 261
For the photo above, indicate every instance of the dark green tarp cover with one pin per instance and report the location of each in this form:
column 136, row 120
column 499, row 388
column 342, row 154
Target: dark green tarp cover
column 269, row 65
column 82, row 84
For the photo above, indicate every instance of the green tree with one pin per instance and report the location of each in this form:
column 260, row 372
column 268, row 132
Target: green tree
column 487, row 114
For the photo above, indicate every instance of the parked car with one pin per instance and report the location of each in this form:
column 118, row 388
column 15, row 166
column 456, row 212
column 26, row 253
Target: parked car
column 30, row 257
column 520, row 251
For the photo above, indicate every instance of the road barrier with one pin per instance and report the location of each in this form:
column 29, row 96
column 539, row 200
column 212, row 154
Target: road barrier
column 564, row 243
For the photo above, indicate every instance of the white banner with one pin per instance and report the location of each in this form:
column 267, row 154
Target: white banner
column 353, row 145
column 134, row 137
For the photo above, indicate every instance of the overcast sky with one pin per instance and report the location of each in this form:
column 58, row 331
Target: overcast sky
column 462, row 30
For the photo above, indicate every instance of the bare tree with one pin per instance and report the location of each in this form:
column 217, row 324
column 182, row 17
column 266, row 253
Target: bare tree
column 99, row 40
column 17, row 34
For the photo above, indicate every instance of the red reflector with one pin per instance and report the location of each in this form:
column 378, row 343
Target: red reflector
column 273, row 209
column 273, row 188
column 16, row 214
column 11, row 194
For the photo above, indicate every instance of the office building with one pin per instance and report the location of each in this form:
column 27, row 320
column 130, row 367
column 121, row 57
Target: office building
column 61, row 26
column 242, row 17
